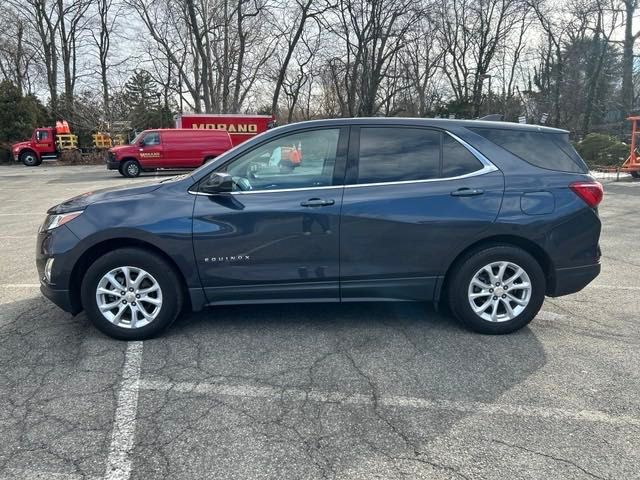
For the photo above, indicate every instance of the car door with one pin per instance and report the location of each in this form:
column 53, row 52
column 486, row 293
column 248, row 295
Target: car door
column 152, row 150
column 413, row 195
column 276, row 236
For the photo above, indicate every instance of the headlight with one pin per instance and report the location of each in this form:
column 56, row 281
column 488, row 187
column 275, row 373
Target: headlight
column 47, row 270
column 54, row 221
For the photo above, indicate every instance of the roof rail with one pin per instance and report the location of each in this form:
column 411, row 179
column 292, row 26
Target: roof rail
column 494, row 117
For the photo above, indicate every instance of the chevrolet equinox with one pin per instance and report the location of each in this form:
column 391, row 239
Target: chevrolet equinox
column 487, row 217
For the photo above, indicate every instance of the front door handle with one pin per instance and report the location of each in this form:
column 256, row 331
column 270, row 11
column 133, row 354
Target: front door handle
column 467, row 192
column 317, row 202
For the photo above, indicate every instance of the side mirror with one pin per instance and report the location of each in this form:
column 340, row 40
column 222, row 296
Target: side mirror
column 217, row 182
column 141, row 143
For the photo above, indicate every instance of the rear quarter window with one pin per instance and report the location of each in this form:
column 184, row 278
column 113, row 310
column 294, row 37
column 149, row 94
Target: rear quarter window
column 551, row 151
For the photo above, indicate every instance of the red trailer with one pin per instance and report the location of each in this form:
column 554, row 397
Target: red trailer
column 239, row 127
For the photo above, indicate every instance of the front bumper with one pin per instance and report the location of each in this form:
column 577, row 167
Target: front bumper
column 113, row 164
column 571, row 280
column 62, row 298
column 58, row 244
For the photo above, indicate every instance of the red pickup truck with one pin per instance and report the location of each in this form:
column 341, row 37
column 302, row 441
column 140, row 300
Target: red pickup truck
column 168, row 149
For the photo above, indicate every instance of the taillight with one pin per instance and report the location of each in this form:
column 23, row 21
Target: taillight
column 590, row 192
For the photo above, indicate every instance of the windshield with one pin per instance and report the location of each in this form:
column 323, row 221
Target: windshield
column 137, row 139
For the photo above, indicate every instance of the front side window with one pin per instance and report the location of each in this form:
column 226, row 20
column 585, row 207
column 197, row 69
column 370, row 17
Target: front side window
column 152, row 138
column 42, row 135
column 297, row 160
column 391, row 154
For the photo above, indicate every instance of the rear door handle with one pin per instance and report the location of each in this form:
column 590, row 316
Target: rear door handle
column 317, row 202
column 467, row 192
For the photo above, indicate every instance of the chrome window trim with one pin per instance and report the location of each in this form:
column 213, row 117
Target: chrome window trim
column 487, row 167
column 482, row 171
column 275, row 190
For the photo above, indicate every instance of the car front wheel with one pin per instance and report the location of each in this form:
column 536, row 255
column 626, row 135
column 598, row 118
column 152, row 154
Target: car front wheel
column 131, row 294
column 496, row 290
column 130, row 169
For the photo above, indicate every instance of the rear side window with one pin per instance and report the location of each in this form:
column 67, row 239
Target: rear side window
column 456, row 159
column 389, row 154
column 546, row 150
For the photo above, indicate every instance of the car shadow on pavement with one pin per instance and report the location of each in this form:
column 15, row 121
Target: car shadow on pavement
column 397, row 340
column 354, row 388
column 379, row 358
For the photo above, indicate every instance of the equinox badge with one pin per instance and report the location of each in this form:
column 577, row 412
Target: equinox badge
column 233, row 258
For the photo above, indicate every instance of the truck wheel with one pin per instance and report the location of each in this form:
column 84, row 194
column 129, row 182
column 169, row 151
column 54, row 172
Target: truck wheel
column 635, row 174
column 30, row 159
column 130, row 169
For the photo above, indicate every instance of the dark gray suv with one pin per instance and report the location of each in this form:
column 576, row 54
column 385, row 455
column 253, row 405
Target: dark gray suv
column 486, row 217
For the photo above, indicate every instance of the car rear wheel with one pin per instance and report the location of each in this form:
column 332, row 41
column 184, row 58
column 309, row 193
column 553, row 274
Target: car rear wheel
column 30, row 159
column 131, row 294
column 496, row 290
column 130, row 169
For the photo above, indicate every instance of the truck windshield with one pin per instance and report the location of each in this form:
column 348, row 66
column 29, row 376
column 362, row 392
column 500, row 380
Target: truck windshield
column 137, row 139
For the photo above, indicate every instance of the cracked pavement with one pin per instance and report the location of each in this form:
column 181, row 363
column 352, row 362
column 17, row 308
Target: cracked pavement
column 370, row 391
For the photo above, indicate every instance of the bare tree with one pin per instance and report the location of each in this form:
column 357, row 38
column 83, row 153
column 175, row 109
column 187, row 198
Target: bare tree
column 41, row 17
column 15, row 54
column 422, row 60
column 71, row 25
column 630, row 38
column 472, row 33
column 106, row 17
column 371, row 33
column 290, row 28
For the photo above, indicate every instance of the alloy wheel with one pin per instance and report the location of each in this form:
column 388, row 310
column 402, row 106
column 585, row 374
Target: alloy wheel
column 129, row 297
column 499, row 291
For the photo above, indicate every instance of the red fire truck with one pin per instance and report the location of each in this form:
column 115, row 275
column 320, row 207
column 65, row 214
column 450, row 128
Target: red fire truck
column 239, row 127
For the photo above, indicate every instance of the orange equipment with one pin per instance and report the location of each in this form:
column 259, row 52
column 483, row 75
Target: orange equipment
column 62, row 127
column 632, row 164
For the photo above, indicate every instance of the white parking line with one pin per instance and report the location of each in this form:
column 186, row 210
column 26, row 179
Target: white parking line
column 124, row 426
column 614, row 287
column 40, row 214
column 294, row 394
column 29, row 474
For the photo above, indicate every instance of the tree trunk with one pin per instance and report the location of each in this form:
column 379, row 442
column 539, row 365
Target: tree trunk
column 627, row 58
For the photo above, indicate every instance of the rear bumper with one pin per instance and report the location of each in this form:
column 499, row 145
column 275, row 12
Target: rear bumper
column 571, row 280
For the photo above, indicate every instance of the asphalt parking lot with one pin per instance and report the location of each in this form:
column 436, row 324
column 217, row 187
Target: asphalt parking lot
column 366, row 391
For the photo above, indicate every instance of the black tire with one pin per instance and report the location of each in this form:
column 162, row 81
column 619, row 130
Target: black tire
column 130, row 169
column 162, row 273
column 30, row 159
column 635, row 174
column 463, row 273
